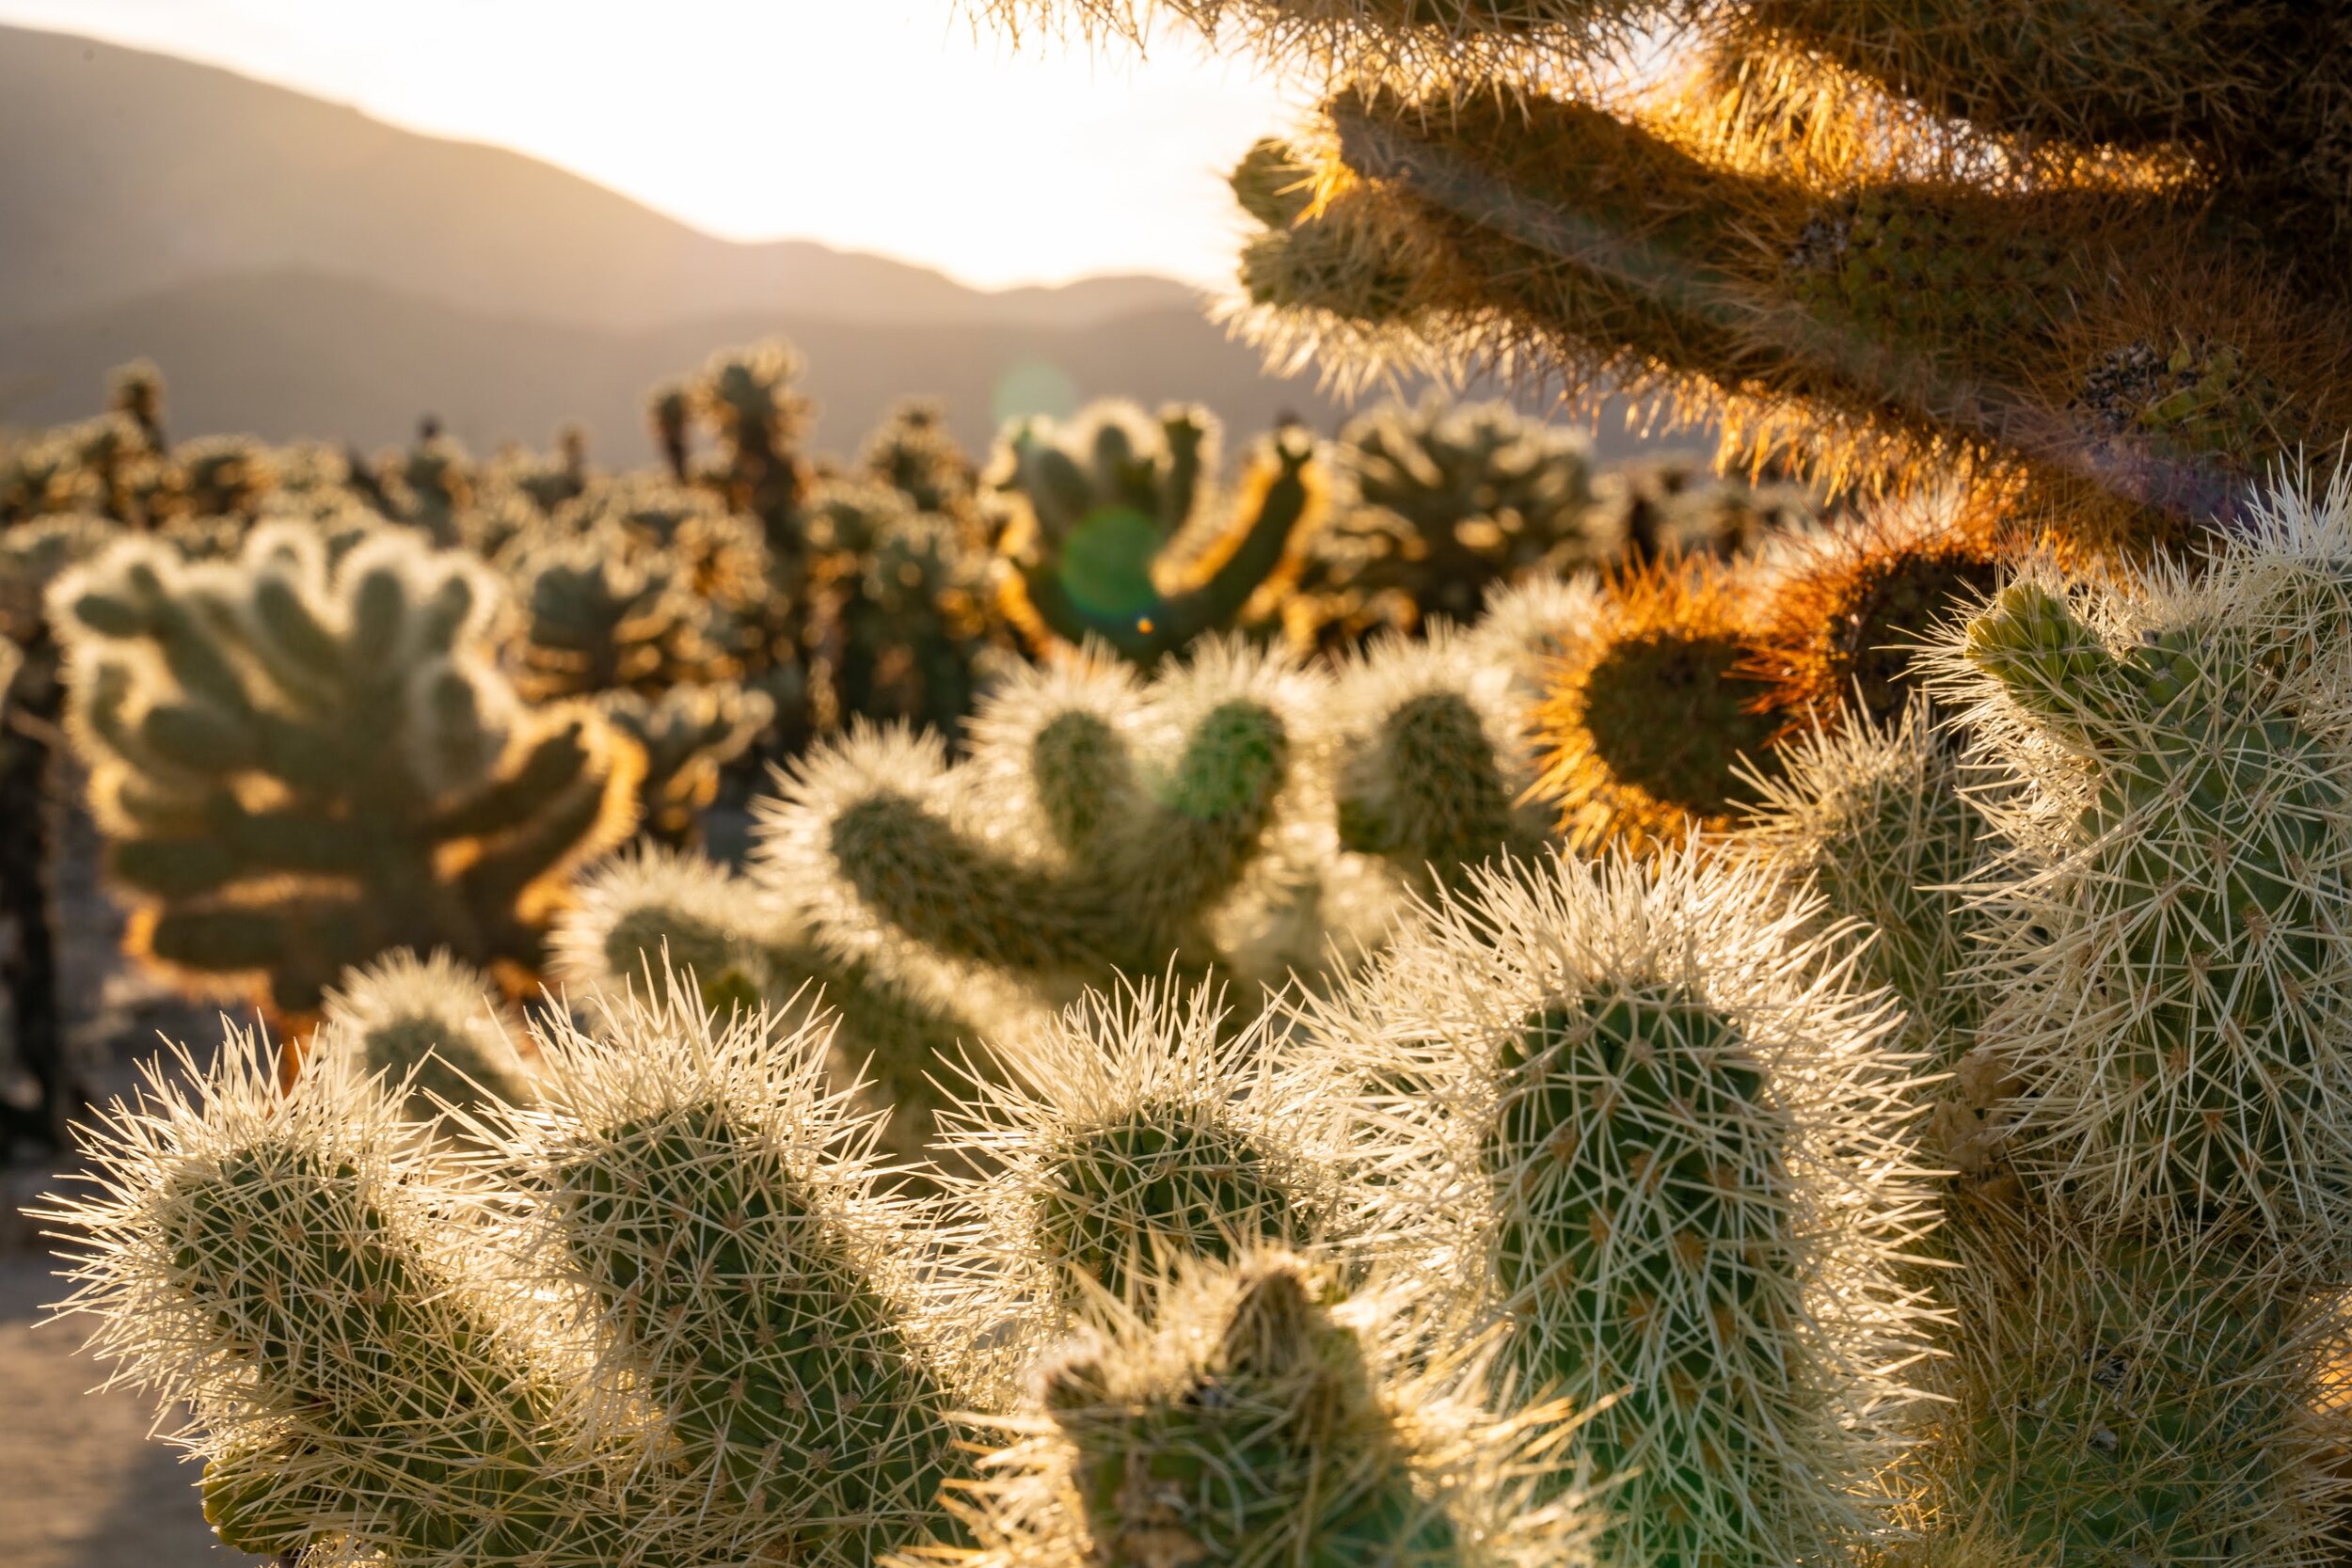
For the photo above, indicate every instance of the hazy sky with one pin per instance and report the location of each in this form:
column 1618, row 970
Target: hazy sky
column 869, row 124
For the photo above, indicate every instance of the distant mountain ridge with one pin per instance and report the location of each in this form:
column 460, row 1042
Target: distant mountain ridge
column 122, row 173
column 300, row 270
column 293, row 355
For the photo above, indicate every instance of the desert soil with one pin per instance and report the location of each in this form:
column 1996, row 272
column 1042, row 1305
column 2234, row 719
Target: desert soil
column 85, row 1486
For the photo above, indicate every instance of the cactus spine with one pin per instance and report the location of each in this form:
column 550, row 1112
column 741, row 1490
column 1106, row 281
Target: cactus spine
column 1669, row 1133
column 1260, row 1421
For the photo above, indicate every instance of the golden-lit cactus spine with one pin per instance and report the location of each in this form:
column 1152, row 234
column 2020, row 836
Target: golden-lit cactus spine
column 1179, row 802
column 1665, row 1140
column 802, row 1338
column 1145, row 1130
column 363, row 1380
column 1262, row 1416
column 1651, row 711
column 301, row 765
column 1118, row 534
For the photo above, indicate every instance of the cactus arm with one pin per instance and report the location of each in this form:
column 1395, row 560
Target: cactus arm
column 941, row 889
column 1286, row 501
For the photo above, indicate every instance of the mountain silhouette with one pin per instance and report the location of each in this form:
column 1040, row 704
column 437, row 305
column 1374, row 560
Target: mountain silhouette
column 299, row 269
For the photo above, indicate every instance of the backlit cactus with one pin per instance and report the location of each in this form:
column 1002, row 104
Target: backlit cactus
column 1449, row 501
column 300, row 767
column 2099, row 248
column 430, row 1025
column 701, row 1336
column 1431, row 770
column 1668, row 1136
column 652, row 914
column 1118, row 532
column 1652, row 712
column 1178, row 805
column 747, row 397
column 1140, row 1132
column 2179, row 954
column 1850, row 607
column 272, row 1260
column 1261, row 1419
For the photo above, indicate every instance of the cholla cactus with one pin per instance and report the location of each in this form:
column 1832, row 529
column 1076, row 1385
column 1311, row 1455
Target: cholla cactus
column 136, row 391
column 1651, row 711
column 300, row 768
column 687, row 735
column 899, row 599
column 223, row 476
column 32, row 556
column 912, row 453
column 1668, row 1136
column 1260, row 1420
column 1674, row 504
column 650, row 917
column 747, row 396
column 1875, row 819
column 1118, row 533
column 599, row 616
column 1432, row 772
column 431, row 1025
column 1139, row 1131
column 1179, row 809
column 1850, row 608
column 1892, row 243
column 709, row 1338
column 2118, row 1398
column 1454, row 500
column 281, row 1264
column 2173, row 947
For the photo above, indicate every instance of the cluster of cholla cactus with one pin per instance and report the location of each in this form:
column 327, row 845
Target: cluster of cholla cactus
column 2091, row 256
column 1940, row 1157
column 301, row 762
column 1119, row 532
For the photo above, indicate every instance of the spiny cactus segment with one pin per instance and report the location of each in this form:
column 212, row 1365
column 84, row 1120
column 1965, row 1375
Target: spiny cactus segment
column 1138, row 1130
column 1263, row 1419
column 1665, row 1139
column 429, row 1023
column 2177, row 957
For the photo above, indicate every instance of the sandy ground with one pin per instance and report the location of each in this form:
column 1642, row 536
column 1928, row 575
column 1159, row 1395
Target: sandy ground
column 81, row 1484
column 85, row 1486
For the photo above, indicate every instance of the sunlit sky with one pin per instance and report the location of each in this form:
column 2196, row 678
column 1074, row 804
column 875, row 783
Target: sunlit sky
column 885, row 125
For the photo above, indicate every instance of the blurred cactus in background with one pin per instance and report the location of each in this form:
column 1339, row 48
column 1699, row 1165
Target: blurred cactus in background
column 747, row 397
column 1119, row 532
column 33, row 555
column 1447, row 500
column 300, row 767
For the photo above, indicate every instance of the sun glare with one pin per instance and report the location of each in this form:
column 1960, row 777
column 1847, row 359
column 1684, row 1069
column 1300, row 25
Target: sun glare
column 885, row 125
